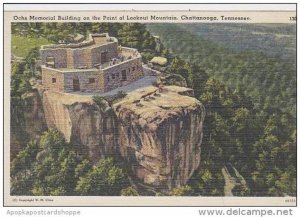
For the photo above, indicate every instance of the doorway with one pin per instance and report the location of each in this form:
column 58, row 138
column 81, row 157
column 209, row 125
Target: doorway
column 124, row 75
column 104, row 57
column 76, row 85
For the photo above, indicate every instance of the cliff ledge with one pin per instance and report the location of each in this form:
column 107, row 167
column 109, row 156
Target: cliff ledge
column 158, row 131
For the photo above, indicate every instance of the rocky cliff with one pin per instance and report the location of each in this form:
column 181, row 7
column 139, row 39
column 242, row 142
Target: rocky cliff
column 161, row 134
column 82, row 122
column 27, row 121
column 158, row 131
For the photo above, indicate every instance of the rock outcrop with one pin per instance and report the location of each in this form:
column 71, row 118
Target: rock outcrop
column 28, row 121
column 159, row 133
column 82, row 123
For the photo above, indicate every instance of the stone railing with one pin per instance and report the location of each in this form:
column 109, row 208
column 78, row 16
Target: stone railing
column 71, row 45
column 85, row 43
column 126, row 52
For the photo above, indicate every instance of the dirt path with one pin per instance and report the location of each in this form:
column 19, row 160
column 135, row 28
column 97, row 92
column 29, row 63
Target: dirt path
column 232, row 178
column 230, row 182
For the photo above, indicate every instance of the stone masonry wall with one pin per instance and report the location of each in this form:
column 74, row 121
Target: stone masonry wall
column 84, row 80
column 60, row 57
column 82, row 58
column 113, row 74
column 100, row 39
column 111, row 49
column 48, row 74
column 127, row 52
column 70, row 58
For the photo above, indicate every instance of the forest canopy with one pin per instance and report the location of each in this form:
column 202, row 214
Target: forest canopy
column 248, row 90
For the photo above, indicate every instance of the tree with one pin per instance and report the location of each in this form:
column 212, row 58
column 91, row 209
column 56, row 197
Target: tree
column 82, row 168
column 129, row 191
column 105, row 178
column 51, row 166
column 25, row 158
column 45, row 167
column 21, row 170
column 55, row 165
column 200, row 78
column 178, row 66
column 184, row 190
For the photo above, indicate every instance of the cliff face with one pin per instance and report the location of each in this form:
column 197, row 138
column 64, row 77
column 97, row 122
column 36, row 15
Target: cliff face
column 161, row 135
column 28, row 121
column 158, row 132
column 82, row 123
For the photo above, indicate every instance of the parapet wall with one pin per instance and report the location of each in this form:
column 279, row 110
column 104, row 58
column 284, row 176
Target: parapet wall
column 60, row 56
column 84, row 77
column 48, row 74
column 128, row 52
column 80, row 57
column 113, row 75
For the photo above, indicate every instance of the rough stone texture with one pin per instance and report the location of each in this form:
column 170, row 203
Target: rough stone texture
column 85, row 84
column 110, row 48
column 81, row 62
column 111, row 82
column 79, row 57
column 30, row 124
column 82, row 58
column 127, row 52
column 48, row 74
column 60, row 56
column 82, row 123
column 70, row 58
column 100, row 39
column 160, row 136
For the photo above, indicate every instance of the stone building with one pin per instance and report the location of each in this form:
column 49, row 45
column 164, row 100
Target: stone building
column 98, row 64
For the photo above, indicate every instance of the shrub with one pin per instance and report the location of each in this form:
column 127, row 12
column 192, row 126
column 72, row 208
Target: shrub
column 129, row 191
column 181, row 191
column 100, row 101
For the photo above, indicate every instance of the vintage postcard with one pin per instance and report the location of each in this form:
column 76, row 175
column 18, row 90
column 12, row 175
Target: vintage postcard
column 150, row 105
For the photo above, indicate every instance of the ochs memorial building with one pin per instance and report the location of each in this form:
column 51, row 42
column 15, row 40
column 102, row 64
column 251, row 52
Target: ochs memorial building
column 98, row 64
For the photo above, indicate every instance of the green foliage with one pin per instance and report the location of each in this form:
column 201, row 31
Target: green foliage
column 135, row 35
column 101, row 102
column 129, row 191
column 199, row 80
column 240, row 190
column 181, row 191
column 54, row 167
column 270, row 81
column 51, row 166
column 22, row 45
column 110, row 28
column 175, row 79
column 23, row 161
column 250, row 116
column 260, row 156
column 147, row 56
column 120, row 95
column 251, row 127
column 82, row 168
column 20, row 85
column 21, row 183
column 19, row 79
column 178, row 66
column 274, row 171
column 103, row 179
